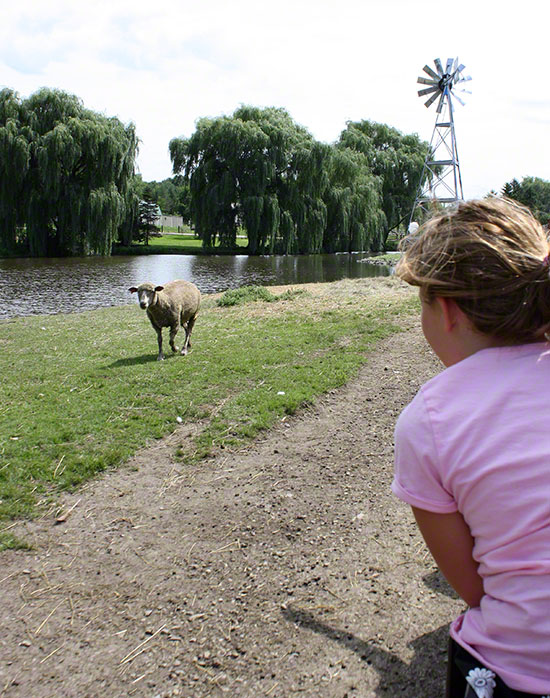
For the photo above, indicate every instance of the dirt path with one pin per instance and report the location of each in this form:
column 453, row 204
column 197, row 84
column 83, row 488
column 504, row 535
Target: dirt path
column 286, row 569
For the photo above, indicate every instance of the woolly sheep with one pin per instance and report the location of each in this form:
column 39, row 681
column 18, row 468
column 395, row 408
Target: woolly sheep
column 175, row 303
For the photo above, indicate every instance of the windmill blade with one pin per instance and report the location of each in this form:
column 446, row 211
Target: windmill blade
column 432, row 99
column 465, row 78
column 439, row 67
column 458, row 99
column 427, row 91
column 449, row 66
column 425, row 81
column 428, row 70
column 440, row 105
column 457, row 71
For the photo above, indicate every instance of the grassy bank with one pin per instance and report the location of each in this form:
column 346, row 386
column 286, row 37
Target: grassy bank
column 82, row 392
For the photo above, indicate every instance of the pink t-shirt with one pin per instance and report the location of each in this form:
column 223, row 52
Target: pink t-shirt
column 476, row 439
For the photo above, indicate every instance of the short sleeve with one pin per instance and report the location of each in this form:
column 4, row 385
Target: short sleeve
column 417, row 477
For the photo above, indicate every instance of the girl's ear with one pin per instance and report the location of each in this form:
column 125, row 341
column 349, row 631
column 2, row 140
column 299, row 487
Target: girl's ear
column 452, row 314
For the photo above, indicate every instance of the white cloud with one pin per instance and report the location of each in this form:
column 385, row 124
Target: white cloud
column 165, row 64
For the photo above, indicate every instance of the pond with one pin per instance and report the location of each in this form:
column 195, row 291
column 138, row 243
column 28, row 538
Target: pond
column 67, row 285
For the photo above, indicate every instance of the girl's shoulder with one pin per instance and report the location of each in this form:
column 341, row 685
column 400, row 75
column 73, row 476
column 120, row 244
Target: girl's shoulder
column 493, row 363
column 485, row 382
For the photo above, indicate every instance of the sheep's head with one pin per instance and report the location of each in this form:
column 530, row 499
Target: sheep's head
column 146, row 294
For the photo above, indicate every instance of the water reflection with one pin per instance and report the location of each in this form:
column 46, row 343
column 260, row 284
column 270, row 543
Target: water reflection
column 48, row 286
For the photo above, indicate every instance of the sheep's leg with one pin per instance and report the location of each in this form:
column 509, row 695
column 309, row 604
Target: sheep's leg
column 188, row 329
column 186, row 344
column 173, row 333
column 158, row 330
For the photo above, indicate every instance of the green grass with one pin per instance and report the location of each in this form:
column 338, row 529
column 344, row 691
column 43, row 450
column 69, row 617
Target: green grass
column 82, row 392
column 177, row 243
column 187, row 240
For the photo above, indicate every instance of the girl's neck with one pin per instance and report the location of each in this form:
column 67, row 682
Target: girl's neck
column 470, row 341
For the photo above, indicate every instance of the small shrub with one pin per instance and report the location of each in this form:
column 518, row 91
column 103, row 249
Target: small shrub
column 246, row 294
column 290, row 294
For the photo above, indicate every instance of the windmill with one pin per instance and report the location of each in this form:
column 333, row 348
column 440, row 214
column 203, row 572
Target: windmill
column 441, row 182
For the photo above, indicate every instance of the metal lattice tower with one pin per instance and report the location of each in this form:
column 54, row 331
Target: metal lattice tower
column 441, row 172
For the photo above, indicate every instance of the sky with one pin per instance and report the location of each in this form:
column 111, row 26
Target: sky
column 163, row 64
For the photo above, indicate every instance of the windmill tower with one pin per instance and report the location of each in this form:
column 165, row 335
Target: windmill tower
column 441, row 172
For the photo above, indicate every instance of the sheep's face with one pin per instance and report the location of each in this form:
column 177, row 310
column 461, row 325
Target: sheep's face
column 146, row 298
column 146, row 294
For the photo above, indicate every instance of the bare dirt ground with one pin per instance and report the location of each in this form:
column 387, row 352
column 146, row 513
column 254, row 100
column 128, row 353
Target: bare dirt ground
column 284, row 569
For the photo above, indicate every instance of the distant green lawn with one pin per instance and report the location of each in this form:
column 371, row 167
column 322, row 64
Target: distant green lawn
column 179, row 242
column 176, row 240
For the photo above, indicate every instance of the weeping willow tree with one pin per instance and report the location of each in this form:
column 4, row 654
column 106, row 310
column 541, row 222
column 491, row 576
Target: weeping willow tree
column 129, row 225
column 14, row 166
column 216, row 160
column 292, row 215
column 66, row 174
column 259, row 169
column 355, row 219
column 395, row 159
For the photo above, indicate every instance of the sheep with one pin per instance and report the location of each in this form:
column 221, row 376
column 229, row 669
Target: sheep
column 175, row 303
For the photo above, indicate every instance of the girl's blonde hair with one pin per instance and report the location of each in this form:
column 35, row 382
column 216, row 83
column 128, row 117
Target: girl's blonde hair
column 491, row 257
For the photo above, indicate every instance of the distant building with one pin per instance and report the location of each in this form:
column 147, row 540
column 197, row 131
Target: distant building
column 170, row 221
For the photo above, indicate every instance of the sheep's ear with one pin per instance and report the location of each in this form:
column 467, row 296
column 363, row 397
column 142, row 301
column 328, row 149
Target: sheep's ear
column 159, row 288
column 133, row 289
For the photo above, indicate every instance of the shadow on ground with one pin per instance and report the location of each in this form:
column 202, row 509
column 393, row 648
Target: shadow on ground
column 423, row 676
column 136, row 360
column 437, row 582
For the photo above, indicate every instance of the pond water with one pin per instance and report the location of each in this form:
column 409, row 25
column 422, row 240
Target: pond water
column 68, row 285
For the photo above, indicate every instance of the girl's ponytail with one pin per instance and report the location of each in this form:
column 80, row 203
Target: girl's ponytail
column 492, row 257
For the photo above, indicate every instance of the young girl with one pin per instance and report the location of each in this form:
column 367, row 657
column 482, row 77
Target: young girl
column 472, row 450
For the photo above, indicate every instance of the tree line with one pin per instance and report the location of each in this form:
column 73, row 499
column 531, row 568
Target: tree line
column 532, row 192
column 260, row 171
column 68, row 184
